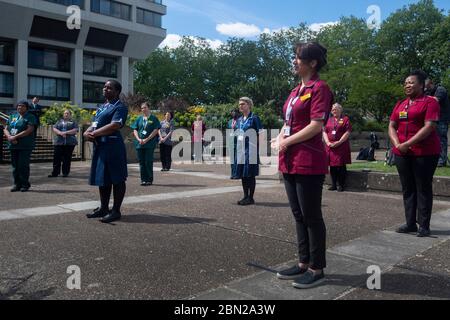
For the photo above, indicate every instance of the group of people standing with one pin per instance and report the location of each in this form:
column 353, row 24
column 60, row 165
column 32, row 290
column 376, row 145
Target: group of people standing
column 310, row 141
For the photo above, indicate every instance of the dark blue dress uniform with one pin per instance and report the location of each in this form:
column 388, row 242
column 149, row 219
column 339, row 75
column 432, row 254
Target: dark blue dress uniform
column 247, row 147
column 109, row 161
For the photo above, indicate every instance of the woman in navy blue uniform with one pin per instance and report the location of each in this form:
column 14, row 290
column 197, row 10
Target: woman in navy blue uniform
column 247, row 150
column 109, row 161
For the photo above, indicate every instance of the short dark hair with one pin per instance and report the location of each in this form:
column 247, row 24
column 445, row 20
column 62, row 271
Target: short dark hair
column 117, row 86
column 420, row 75
column 312, row 51
column 23, row 103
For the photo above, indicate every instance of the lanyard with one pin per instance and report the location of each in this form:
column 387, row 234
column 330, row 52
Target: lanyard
column 291, row 105
column 242, row 124
column 105, row 107
column 14, row 123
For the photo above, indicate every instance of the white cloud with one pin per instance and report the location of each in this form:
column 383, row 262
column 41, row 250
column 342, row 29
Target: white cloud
column 173, row 41
column 318, row 26
column 239, row 29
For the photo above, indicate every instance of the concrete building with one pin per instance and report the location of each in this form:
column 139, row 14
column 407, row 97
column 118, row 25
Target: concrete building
column 41, row 56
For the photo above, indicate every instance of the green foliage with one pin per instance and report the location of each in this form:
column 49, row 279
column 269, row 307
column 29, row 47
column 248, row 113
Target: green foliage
column 55, row 112
column 366, row 68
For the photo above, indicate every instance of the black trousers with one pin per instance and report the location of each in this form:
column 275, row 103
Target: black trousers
column 166, row 155
column 62, row 154
column 305, row 198
column 416, row 176
column 20, row 162
column 338, row 175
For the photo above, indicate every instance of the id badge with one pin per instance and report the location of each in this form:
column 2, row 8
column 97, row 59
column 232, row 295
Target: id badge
column 13, row 132
column 95, row 124
column 333, row 132
column 403, row 115
column 241, row 138
column 287, row 131
column 144, row 132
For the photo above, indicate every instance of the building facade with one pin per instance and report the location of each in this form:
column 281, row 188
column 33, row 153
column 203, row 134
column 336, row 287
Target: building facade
column 41, row 56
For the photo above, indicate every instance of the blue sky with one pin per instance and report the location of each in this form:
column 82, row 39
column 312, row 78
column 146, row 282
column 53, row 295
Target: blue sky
column 217, row 20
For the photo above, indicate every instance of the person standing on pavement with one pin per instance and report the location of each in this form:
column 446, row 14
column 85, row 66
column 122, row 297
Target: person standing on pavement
column 165, row 141
column 109, row 160
column 64, row 143
column 413, row 134
column 36, row 110
column 336, row 135
column 441, row 95
column 232, row 126
column 19, row 132
column 248, row 128
column 145, row 131
column 303, row 162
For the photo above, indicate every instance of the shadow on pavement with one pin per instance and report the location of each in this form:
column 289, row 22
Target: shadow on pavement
column 15, row 291
column 155, row 219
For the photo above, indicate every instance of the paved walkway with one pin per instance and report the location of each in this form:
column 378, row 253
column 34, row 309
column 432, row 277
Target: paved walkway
column 185, row 238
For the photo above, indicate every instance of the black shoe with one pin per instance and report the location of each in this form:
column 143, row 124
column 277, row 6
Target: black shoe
column 247, row 202
column 65, row 175
column 241, row 201
column 24, row 189
column 291, row 273
column 15, row 189
column 111, row 217
column 309, row 280
column 340, row 189
column 423, row 233
column 149, row 183
column 332, row 188
column 52, row 176
column 406, row 229
column 98, row 213
column 143, row 184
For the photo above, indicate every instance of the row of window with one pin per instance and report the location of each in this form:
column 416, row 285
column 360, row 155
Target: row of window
column 48, row 88
column 79, row 3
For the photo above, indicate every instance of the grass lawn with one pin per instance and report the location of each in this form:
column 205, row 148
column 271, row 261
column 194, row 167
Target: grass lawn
column 379, row 166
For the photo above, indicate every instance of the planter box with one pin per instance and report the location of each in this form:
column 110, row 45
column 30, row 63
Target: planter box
column 364, row 181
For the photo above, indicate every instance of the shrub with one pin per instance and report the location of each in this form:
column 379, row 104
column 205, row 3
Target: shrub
column 52, row 114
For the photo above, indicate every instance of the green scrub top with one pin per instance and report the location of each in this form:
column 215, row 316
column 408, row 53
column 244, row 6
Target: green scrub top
column 17, row 124
column 145, row 129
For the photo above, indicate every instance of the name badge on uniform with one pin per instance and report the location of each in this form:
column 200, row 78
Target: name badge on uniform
column 95, row 124
column 403, row 115
column 144, row 132
column 334, row 132
column 287, row 131
column 13, row 132
column 341, row 122
column 305, row 97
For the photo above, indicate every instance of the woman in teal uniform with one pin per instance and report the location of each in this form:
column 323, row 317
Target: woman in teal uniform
column 20, row 134
column 109, row 160
column 248, row 128
column 145, row 130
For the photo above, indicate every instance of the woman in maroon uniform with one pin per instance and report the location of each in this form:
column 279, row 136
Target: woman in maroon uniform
column 336, row 136
column 303, row 162
column 416, row 147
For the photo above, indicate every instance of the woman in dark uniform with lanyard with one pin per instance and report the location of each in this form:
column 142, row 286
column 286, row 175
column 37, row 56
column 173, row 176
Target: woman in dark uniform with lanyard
column 336, row 135
column 303, row 162
column 247, row 150
column 64, row 143
column 20, row 134
column 109, row 161
column 412, row 130
column 145, row 130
